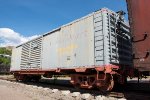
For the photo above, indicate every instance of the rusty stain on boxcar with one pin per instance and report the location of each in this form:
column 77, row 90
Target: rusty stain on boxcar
column 139, row 17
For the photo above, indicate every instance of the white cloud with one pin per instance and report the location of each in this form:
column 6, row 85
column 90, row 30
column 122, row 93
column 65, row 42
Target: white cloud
column 9, row 37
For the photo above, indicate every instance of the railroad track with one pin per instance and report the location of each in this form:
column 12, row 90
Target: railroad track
column 125, row 93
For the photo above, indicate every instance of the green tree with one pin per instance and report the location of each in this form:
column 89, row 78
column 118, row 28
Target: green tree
column 4, row 60
column 5, row 51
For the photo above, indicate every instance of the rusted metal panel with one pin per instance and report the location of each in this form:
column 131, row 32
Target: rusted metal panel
column 139, row 18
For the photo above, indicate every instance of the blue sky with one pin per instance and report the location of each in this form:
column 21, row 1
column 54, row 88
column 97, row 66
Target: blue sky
column 35, row 17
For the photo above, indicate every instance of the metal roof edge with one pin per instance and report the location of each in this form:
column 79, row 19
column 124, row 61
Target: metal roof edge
column 59, row 28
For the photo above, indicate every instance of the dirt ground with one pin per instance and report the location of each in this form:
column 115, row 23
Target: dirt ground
column 21, row 91
column 7, row 93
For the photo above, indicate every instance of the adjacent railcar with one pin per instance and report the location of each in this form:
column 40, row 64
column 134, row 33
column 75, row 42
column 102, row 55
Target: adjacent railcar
column 140, row 28
column 95, row 50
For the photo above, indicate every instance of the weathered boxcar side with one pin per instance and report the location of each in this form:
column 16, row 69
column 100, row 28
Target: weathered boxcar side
column 94, row 50
column 139, row 18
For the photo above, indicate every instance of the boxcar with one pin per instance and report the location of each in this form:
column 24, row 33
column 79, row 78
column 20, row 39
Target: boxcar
column 95, row 50
column 140, row 28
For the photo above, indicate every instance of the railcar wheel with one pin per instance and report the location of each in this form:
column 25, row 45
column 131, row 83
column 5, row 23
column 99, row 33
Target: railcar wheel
column 17, row 78
column 108, row 83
